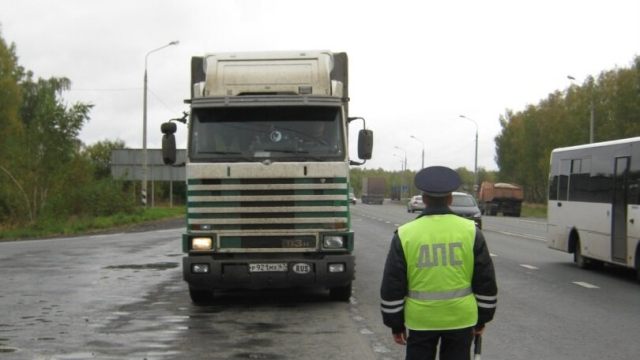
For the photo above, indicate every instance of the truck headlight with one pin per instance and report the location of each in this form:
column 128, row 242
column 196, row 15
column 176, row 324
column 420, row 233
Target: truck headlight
column 477, row 215
column 200, row 268
column 333, row 242
column 336, row 268
column 201, row 243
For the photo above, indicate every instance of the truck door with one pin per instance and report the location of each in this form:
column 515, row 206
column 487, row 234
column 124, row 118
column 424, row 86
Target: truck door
column 619, row 211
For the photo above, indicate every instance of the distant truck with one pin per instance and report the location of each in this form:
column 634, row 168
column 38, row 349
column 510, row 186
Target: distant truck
column 500, row 197
column 373, row 190
column 396, row 192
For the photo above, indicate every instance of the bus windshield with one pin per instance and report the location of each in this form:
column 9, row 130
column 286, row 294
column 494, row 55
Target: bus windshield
column 293, row 133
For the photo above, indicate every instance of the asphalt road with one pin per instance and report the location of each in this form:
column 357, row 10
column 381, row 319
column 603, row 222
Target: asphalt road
column 120, row 295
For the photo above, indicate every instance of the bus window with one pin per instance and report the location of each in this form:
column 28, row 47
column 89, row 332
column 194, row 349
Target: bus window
column 563, row 185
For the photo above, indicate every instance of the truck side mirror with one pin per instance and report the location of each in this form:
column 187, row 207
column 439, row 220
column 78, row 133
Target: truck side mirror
column 365, row 144
column 168, row 143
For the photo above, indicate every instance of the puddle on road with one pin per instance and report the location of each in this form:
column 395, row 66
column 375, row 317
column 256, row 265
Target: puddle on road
column 258, row 356
column 4, row 349
column 156, row 266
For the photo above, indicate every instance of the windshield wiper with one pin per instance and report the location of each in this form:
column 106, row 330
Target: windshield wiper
column 288, row 151
column 306, row 158
column 220, row 152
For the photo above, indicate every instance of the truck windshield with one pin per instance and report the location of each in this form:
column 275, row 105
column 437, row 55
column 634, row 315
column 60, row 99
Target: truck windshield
column 283, row 133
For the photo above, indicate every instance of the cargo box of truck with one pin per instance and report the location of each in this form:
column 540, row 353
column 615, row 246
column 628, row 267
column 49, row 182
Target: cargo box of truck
column 373, row 189
column 500, row 198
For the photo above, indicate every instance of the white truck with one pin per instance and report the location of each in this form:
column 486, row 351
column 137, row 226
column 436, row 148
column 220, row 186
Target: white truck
column 268, row 173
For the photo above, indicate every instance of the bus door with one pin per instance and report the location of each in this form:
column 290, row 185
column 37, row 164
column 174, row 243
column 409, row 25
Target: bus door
column 619, row 211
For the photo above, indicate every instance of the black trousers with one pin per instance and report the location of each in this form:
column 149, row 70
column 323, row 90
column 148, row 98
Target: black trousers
column 454, row 344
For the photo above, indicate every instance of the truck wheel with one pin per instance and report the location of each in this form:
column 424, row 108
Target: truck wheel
column 340, row 293
column 200, row 296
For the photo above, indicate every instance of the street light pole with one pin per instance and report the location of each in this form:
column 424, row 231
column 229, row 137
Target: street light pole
column 402, row 170
column 405, row 167
column 144, row 126
column 413, row 137
column 475, row 165
column 591, row 121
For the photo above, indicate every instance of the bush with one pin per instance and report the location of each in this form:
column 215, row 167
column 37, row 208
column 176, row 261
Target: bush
column 103, row 197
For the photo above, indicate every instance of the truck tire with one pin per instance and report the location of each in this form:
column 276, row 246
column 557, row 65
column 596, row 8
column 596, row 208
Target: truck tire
column 199, row 297
column 340, row 293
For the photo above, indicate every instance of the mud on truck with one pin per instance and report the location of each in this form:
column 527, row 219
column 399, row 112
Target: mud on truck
column 268, row 173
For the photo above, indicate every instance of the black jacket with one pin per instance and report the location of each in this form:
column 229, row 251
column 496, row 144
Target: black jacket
column 395, row 285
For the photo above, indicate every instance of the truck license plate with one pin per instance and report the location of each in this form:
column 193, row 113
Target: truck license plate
column 276, row 267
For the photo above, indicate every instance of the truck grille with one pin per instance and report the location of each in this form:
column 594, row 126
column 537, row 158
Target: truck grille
column 267, row 213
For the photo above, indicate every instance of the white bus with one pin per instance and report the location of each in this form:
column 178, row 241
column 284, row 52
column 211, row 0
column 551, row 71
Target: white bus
column 594, row 203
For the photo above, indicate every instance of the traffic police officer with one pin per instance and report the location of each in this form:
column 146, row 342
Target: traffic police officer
column 439, row 281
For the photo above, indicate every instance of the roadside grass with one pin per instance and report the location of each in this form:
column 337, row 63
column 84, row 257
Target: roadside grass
column 76, row 225
column 534, row 210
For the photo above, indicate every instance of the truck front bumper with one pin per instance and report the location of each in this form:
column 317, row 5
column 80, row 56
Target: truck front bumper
column 207, row 273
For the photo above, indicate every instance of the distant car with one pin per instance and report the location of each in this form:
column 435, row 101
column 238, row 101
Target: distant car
column 415, row 204
column 352, row 198
column 465, row 205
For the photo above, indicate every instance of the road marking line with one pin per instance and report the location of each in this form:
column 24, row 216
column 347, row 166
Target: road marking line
column 494, row 255
column 169, row 230
column 104, row 235
column 587, row 285
column 533, row 237
column 529, row 267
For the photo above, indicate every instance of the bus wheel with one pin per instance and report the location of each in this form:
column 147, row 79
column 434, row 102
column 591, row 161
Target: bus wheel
column 580, row 260
column 340, row 293
column 200, row 296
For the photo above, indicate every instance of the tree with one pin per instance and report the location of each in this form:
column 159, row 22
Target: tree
column 11, row 193
column 50, row 140
column 99, row 155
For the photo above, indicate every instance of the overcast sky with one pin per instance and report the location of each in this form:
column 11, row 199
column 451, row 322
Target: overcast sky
column 415, row 66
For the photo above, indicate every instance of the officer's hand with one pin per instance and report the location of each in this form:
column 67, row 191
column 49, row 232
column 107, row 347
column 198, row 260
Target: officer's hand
column 477, row 331
column 401, row 338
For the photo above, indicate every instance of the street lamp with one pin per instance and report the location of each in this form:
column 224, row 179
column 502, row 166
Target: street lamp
column 144, row 126
column 405, row 156
column 402, row 170
column 405, row 167
column 401, row 161
column 475, row 166
column 413, row 137
column 591, row 110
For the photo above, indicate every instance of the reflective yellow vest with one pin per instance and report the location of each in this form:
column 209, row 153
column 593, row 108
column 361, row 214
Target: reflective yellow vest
column 439, row 254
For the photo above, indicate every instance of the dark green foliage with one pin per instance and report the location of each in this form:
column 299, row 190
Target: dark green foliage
column 99, row 155
column 102, row 197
